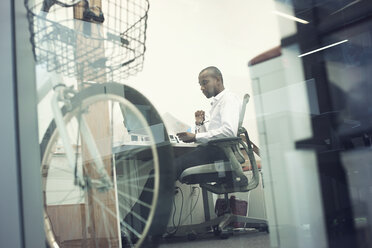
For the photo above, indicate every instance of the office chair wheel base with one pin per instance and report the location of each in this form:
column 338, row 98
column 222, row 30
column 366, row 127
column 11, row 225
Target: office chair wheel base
column 192, row 236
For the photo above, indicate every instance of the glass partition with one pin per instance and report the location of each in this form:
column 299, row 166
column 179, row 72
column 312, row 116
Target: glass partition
column 120, row 87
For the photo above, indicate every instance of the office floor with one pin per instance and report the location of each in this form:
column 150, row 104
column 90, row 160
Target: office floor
column 238, row 240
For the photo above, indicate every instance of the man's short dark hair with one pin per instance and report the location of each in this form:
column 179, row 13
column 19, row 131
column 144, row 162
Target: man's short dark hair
column 214, row 71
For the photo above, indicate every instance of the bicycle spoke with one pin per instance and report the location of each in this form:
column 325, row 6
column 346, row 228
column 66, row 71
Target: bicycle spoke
column 138, row 178
column 110, row 231
column 133, row 213
column 132, row 152
column 73, row 198
column 61, row 178
column 130, row 228
column 135, row 199
column 64, row 199
column 103, row 215
column 127, row 236
column 139, row 168
column 54, row 191
column 112, row 213
column 60, row 169
column 151, row 190
column 107, row 231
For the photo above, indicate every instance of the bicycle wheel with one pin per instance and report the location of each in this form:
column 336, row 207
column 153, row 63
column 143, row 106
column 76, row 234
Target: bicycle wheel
column 133, row 145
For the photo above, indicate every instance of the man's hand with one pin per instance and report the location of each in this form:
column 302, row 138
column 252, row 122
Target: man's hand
column 199, row 117
column 186, row 137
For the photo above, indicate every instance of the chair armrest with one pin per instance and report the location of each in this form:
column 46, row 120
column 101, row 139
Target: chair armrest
column 229, row 142
column 223, row 140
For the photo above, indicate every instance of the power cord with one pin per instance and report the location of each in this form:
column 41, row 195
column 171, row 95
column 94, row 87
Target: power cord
column 174, row 231
column 171, row 233
column 193, row 208
column 190, row 196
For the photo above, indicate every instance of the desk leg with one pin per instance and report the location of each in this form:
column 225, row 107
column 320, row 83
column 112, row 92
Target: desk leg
column 207, row 204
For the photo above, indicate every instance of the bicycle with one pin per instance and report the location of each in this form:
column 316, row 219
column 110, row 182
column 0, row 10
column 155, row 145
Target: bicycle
column 93, row 169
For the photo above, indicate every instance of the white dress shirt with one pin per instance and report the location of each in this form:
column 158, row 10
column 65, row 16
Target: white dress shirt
column 224, row 118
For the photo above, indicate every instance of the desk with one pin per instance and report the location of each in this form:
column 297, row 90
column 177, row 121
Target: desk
column 143, row 151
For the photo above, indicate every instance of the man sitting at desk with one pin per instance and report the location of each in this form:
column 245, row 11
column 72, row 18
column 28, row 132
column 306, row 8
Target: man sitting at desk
column 223, row 122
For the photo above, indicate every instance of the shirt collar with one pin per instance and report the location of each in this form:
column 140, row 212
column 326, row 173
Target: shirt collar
column 218, row 97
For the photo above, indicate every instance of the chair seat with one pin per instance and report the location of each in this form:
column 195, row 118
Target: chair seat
column 207, row 173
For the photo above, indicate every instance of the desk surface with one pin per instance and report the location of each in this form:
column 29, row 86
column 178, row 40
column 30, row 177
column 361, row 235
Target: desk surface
column 185, row 144
column 178, row 149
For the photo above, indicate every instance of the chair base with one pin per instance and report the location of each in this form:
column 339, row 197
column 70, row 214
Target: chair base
column 219, row 225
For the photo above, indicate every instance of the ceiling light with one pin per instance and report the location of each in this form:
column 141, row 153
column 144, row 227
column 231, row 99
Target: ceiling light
column 293, row 18
column 322, row 48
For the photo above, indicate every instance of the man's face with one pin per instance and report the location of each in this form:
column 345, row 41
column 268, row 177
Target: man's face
column 208, row 84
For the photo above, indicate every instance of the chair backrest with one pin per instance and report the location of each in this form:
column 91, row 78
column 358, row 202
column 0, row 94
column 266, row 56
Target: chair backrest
column 241, row 159
column 239, row 156
column 242, row 112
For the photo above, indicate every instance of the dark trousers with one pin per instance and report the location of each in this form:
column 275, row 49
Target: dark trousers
column 201, row 155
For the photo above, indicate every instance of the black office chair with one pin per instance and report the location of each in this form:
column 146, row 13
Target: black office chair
column 223, row 178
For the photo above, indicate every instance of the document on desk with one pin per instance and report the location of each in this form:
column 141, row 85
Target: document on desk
column 182, row 144
column 174, row 125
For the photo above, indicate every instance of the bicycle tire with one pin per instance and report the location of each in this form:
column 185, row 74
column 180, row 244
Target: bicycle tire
column 68, row 2
column 159, row 205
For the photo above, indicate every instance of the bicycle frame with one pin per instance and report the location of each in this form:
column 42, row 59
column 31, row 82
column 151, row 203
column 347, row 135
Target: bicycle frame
column 55, row 82
column 59, row 89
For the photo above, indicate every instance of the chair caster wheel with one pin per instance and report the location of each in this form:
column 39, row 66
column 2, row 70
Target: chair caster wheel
column 216, row 230
column 191, row 236
column 264, row 229
column 225, row 234
column 222, row 233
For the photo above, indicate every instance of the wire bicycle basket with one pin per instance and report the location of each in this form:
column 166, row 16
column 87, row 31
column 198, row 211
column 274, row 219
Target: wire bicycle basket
column 89, row 42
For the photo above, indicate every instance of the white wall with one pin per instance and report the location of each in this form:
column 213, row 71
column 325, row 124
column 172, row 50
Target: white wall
column 185, row 36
